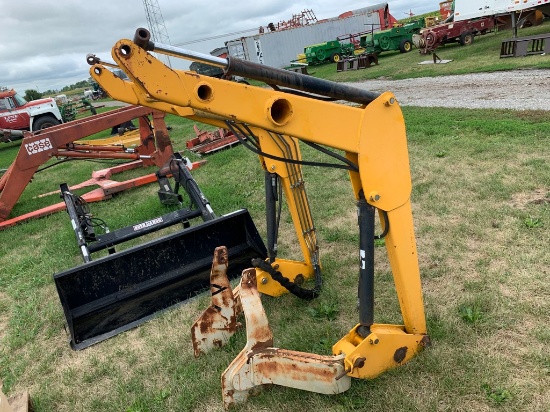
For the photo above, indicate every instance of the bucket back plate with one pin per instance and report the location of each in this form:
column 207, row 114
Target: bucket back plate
column 115, row 293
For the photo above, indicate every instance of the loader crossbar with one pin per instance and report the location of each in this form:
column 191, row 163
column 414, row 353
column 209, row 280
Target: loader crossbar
column 93, row 242
column 90, row 242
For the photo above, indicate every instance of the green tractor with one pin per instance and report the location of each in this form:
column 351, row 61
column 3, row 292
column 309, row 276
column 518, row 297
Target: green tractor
column 396, row 38
column 69, row 109
column 332, row 51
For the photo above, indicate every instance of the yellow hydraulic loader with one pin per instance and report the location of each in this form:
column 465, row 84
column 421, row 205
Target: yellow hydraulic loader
column 370, row 131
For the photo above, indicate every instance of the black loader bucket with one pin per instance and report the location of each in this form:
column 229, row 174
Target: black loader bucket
column 104, row 297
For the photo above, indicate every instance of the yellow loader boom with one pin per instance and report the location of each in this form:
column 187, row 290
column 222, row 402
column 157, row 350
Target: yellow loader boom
column 370, row 132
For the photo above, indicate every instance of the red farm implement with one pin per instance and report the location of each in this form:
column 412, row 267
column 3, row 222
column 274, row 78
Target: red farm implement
column 63, row 141
column 209, row 142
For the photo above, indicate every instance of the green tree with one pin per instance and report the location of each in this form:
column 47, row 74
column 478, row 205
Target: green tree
column 32, row 95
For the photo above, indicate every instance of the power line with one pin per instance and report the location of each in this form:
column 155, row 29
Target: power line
column 216, row 37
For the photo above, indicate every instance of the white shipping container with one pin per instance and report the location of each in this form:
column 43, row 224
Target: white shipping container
column 279, row 48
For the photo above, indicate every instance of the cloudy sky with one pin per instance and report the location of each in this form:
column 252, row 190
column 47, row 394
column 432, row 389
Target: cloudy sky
column 45, row 42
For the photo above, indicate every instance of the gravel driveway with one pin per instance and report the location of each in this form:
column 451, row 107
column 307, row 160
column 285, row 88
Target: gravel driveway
column 517, row 89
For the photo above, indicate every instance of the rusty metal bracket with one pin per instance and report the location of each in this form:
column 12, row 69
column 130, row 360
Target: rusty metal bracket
column 259, row 363
column 218, row 323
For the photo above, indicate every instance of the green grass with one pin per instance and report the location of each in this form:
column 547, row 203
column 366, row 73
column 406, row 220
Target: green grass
column 484, row 274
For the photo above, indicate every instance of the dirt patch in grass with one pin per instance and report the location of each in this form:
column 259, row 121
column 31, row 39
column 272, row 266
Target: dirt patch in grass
column 532, row 116
column 3, row 315
column 537, row 197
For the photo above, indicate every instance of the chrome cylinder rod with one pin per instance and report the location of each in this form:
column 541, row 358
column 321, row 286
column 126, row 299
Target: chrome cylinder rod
column 142, row 38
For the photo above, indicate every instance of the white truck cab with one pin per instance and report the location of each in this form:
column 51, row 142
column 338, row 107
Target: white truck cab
column 18, row 114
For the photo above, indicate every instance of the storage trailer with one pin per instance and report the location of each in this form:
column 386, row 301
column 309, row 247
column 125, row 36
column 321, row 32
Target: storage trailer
column 471, row 9
column 278, row 47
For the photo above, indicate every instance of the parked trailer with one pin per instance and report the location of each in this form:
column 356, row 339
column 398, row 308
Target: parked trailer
column 471, row 17
column 462, row 32
column 470, row 9
column 277, row 48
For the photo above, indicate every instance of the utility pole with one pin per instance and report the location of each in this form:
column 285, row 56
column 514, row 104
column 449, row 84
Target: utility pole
column 155, row 21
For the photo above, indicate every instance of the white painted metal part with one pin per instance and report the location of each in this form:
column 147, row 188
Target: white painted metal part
column 259, row 363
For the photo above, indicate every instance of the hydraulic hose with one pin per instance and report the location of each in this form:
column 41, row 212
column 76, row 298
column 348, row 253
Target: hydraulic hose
column 292, row 287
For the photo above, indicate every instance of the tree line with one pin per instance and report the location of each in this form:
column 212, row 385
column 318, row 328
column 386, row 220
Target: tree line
column 32, row 94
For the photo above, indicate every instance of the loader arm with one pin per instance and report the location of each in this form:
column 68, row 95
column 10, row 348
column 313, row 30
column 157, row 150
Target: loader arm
column 370, row 132
column 275, row 145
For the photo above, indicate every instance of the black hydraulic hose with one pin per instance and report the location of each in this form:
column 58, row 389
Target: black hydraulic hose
column 241, row 137
column 386, row 226
column 292, row 287
column 352, row 166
